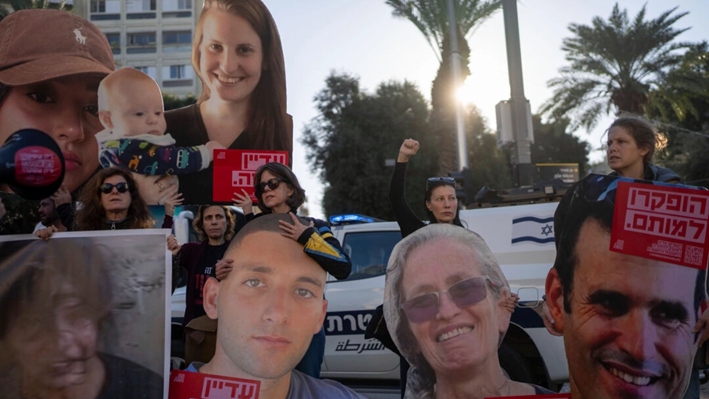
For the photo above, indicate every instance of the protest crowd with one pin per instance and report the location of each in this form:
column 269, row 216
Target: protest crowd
column 255, row 280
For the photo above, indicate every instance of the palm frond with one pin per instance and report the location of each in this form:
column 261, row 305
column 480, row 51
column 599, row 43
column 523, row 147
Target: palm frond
column 616, row 61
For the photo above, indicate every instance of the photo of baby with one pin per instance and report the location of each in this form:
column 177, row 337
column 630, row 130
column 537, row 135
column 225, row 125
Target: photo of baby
column 132, row 113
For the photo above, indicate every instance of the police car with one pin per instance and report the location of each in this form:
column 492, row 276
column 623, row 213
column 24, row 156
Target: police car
column 522, row 239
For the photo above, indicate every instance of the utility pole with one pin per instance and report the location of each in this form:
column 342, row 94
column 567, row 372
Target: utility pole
column 455, row 60
column 521, row 115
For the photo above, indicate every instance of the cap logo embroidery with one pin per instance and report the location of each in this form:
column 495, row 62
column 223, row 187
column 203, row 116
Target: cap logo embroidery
column 79, row 37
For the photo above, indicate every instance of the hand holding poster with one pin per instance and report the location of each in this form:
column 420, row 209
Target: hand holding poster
column 234, row 171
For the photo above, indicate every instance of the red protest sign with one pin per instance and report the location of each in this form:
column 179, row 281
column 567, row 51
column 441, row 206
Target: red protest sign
column 190, row 385
column 234, row 170
column 665, row 223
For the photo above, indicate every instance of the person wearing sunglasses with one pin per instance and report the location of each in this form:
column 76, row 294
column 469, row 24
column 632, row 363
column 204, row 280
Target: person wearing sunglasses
column 440, row 202
column 278, row 191
column 446, row 304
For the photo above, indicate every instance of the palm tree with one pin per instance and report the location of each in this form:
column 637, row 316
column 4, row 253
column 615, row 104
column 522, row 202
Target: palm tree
column 431, row 18
column 614, row 65
column 6, row 7
column 682, row 87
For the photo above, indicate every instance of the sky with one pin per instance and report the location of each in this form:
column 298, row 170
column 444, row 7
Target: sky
column 362, row 38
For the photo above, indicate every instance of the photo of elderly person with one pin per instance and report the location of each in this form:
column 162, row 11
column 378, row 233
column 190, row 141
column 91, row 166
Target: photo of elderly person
column 446, row 303
column 57, row 301
column 51, row 63
column 238, row 56
column 628, row 322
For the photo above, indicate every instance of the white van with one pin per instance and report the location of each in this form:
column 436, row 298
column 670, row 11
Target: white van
column 522, row 239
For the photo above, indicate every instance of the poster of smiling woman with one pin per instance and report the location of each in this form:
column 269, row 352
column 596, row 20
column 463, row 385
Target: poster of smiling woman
column 84, row 316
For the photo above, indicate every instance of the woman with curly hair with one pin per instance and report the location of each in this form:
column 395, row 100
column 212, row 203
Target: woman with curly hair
column 110, row 201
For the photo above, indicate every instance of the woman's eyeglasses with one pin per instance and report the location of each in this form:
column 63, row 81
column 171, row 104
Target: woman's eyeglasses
column 463, row 293
column 106, row 188
column 439, row 180
column 272, row 184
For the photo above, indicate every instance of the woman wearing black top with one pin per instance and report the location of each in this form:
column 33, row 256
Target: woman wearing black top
column 440, row 200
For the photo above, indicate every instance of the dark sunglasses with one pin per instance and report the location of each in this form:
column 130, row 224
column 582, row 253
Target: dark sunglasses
column 106, row 188
column 272, row 184
column 463, row 293
column 439, row 180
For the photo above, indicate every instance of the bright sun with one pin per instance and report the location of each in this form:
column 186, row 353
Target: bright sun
column 466, row 93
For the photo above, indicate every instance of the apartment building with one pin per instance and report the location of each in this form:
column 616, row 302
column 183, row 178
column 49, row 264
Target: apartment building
column 154, row 36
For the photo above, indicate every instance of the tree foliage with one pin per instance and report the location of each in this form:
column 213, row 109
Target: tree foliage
column 15, row 5
column 614, row 64
column 172, row 101
column 553, row 143
column 348, row 143
column 680, row 109
column 431, row 17
column 490, row 165
column 443, row 103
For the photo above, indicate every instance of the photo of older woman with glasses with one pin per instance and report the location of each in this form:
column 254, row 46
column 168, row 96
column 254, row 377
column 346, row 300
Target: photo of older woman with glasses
column 446, row 304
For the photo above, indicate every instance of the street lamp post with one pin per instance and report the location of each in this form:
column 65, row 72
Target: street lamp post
column 455, row 60
column 521, row 157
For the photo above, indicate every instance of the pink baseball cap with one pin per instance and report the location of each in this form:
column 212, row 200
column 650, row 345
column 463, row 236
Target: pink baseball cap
column 42, row 44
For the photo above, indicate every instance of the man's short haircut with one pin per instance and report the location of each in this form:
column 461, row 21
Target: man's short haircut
column 263, row 222
column 591, row 198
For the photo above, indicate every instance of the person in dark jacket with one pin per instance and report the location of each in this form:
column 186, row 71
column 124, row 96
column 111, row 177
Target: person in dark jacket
column 278, row 191
column 440, row 201
column 631, row 145
column 215, row 225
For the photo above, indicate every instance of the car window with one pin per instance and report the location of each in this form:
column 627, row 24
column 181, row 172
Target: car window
column 369, row 252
